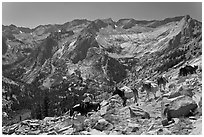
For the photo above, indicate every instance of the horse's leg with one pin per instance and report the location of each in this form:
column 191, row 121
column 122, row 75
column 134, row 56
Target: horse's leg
column 73, row 116
column 124, row 101
column 164, row 86
column 161, row 86
column 96, row 108
column 147, row 95
column 135, row 97
column 154, row 92
column 86, row 114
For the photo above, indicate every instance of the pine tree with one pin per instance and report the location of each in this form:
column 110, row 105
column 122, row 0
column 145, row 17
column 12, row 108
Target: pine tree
column 46, row 105
column 39, row 112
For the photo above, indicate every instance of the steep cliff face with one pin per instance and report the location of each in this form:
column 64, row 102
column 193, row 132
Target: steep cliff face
column 87, row 39
column 102, row 68
column 115, row 70
column 83, row 43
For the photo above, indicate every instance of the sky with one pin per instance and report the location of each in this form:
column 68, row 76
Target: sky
column 32, row 14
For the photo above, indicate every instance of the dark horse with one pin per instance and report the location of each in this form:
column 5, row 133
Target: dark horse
column 121, row 94
column 126, row 94
column 187, row 70
column 85, row 107
column 161, row 81
column 149, row 87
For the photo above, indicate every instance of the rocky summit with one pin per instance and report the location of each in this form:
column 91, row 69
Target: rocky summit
column 48, row 71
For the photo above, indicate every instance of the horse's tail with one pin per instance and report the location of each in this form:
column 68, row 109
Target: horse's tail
column 136, row 95
column 99, row 106
column 158, row 81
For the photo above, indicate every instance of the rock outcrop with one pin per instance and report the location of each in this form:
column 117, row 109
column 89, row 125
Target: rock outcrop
column 181, row 106
column 138, row 112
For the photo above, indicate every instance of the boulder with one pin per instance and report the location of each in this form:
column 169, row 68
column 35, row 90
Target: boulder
column 180, row 106
column 136, row 111
column 102, row 124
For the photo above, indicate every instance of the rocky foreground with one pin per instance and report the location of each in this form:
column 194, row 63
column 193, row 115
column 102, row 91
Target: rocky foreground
column 114, row 119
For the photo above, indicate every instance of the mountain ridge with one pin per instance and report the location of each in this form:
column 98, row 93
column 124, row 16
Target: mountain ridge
column 81, row 20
